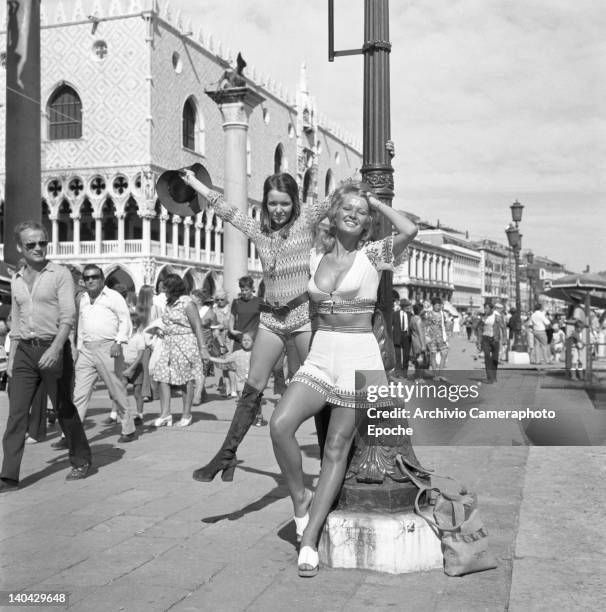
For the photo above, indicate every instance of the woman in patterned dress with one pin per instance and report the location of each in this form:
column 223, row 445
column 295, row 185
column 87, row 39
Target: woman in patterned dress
column 283, row 238
column 180, row 362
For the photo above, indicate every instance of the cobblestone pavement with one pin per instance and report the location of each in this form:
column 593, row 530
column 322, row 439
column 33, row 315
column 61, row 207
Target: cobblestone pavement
column 140, row 534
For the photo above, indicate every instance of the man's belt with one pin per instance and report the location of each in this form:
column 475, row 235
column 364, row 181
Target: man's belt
column 36, row 341
column 281, row 311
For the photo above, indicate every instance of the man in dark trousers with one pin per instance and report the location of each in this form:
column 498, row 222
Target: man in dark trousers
column 43, row 311
column 401, row 334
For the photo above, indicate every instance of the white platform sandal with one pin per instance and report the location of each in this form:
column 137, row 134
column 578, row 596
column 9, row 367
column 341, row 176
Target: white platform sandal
column 308, row 562
column 301, row 521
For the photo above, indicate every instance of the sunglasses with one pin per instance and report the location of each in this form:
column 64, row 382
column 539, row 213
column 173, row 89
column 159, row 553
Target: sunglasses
column 30, row 246
column 89, row 277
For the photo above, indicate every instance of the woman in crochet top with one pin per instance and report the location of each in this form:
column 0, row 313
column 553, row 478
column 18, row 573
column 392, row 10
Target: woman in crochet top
column 345, row 274
column 283, row 237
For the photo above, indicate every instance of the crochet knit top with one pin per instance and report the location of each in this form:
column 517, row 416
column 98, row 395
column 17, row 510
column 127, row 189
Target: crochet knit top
column 285, row 261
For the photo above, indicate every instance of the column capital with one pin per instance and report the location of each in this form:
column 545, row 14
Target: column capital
column 236, row 104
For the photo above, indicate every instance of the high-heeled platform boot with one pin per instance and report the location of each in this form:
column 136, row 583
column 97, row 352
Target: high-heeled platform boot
column 225, row 460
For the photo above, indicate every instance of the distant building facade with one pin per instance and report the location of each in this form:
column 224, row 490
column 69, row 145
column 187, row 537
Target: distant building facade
column 426, row 272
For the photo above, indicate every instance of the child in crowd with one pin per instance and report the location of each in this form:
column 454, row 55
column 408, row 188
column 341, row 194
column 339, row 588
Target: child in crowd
column 238, row 361
column 577, row 346
column 133, row 360
column 557, row 343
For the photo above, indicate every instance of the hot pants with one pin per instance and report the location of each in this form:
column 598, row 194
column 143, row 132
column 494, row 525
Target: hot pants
column 330, row 368
column 296, row 321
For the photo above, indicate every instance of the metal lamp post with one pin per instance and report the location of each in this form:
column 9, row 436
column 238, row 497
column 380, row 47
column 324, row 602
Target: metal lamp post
column 514, row 238
column 374, row 464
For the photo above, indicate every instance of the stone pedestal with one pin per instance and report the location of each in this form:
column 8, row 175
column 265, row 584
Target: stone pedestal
column 397, row 543
column 518, row 358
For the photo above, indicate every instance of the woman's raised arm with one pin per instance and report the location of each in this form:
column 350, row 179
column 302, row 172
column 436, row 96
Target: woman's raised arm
column 406, row 229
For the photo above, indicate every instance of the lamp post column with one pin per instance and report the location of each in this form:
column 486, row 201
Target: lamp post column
column 22, row 191
column 519, row 351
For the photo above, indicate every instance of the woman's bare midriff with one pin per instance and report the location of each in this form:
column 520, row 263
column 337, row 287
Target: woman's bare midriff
column 362, row 320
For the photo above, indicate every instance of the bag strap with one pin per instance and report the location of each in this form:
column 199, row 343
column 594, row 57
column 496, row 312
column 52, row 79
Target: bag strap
column 457, row 500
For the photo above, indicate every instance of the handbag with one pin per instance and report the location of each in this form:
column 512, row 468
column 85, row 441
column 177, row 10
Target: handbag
column 155, row 356
column 457, row 523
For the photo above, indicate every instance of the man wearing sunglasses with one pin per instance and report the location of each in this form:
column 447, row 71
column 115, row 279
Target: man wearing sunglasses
column 43, row 311
column 103, row 327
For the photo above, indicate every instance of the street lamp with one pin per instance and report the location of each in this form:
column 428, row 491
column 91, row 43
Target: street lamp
column 516, row 212
column 519, row 350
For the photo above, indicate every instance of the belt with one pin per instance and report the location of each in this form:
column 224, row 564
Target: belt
column 36, row 341
column 95, row 342
column 282, row 311
column 344, row 329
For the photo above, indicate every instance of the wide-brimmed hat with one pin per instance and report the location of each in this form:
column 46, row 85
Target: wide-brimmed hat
column 177, row 196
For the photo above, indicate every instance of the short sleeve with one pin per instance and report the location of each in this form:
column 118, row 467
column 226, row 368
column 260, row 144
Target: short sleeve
column 380, row 253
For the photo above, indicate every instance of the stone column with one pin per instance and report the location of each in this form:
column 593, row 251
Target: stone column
column 207, row 237
column 187, row 223
column 120, row 215
column 163, row 219
column 76, row 222
column 98, row 232
column 176, row 221
column 146, row 233
column 236, row 105
column 55, row 237
column 197, row 228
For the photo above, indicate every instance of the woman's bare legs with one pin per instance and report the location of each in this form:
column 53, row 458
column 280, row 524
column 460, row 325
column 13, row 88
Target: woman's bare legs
column 265, row 353
column 302, row 341
column 188, row 397
column 341, row 430
column 298, row 403
column 164, row 399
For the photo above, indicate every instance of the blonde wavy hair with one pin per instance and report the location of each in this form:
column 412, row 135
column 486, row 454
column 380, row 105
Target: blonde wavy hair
column 326, row 236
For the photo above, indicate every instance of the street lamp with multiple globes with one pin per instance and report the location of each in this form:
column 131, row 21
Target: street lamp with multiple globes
column 514, row 238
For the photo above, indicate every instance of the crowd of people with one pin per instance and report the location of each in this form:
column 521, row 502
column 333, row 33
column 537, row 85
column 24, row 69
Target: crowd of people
column 321, row 271
column 550, row 338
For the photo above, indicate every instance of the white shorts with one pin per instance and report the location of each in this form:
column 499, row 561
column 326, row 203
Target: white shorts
column 330, row 368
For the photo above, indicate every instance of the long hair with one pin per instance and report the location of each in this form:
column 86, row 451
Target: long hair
column 175, row 288
column 284, row 183
column 144, row 303
column 327, row 237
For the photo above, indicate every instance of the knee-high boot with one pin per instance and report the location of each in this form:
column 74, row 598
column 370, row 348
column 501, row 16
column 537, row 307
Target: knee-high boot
column 225, row 460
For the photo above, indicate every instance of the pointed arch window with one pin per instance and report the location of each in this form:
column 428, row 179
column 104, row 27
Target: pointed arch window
column 189, row 125
column 278, row 159
column 306, row 192
column 192, row 127
column 64, row 114
column 329, row 183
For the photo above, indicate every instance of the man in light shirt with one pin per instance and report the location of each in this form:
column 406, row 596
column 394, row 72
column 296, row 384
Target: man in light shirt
column 103, row 327
column 539, row 321
column 42, row 315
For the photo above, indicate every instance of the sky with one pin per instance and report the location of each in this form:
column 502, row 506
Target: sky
column 491, row 101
